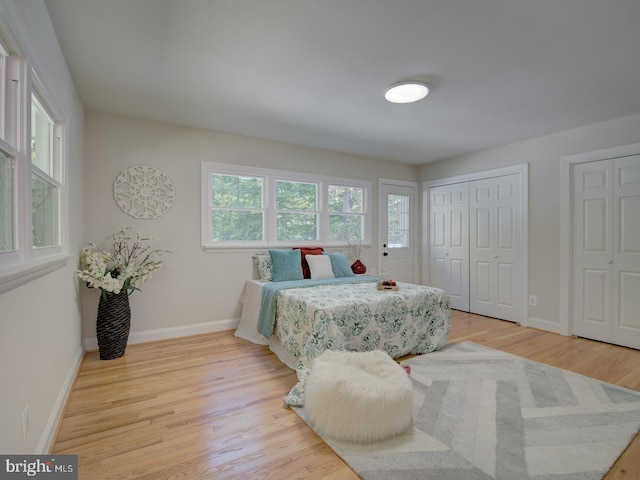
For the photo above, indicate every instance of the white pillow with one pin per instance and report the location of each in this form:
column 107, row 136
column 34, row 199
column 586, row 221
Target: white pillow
column 320, row 266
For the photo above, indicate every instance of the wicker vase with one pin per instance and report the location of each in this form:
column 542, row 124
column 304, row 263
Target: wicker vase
column 112, row 325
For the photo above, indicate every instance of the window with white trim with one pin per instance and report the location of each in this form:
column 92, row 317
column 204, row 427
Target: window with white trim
column 45, row 175
column 32, row 188
column 248, row 207
column 11, row 81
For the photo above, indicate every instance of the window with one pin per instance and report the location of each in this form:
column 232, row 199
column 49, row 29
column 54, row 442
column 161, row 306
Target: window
column 32, row 190
column 246, row 206
column 398, row 220
column 6, row 202
column 237, row 208
column 346, row 212
column 10, row 80
column 45, row 176
column 296, row 211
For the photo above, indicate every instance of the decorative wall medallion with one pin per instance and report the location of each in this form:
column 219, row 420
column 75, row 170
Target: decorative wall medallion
column 143, row 192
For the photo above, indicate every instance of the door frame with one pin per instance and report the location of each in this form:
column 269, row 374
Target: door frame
column 382, row 210
column 521, row 169
column 566, row 222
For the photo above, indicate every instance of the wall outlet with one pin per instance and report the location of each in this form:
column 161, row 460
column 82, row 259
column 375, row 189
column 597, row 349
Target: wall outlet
column 25, row 422
column 533, row 300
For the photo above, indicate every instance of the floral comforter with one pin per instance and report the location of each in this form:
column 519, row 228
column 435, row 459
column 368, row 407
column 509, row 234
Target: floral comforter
column 415, row 319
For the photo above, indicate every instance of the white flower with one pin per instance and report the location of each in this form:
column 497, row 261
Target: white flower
column 123, row 269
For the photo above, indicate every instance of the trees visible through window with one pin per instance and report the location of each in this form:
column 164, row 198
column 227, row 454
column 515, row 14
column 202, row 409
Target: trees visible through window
column 237, row 208
column 256, row 206
column 296, row 211
column 346, row 213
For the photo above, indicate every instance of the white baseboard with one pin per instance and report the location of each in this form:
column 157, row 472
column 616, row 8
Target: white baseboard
column 547, row 325
column 172, row 332
column 48, row 436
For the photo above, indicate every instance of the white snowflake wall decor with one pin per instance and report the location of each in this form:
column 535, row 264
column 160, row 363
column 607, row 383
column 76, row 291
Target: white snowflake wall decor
column 143, row 192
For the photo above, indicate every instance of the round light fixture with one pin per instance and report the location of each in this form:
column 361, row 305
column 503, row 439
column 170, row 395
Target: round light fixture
column 406, row 92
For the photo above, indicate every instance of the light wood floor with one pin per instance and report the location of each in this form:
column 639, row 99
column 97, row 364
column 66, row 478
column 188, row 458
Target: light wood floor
column 210, row 406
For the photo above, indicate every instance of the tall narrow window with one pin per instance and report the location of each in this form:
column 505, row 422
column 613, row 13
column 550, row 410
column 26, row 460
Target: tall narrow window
column 6, row 203
column 45, row 177
column 10, row 101
column 346, row 213
column 398, row 221
column 296, row 211
column 237, row 208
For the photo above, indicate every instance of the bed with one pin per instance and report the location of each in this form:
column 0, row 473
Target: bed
column 312, row 315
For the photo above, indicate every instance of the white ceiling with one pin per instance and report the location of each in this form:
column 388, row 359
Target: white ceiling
column 313, row 72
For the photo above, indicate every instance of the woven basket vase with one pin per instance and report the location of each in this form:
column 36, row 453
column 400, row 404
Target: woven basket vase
column 112, row 325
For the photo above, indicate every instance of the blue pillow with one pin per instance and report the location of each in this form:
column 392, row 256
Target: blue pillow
column 340, row 264
column 286, row 265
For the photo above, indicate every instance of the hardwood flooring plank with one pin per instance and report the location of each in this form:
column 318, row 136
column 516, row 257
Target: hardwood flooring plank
column 210, row 406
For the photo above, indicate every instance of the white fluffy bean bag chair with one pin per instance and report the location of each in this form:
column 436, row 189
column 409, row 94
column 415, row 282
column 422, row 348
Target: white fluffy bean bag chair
column 360, row 397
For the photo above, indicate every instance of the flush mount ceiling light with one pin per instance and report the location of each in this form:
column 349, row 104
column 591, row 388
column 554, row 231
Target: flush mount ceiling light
column 406, row 92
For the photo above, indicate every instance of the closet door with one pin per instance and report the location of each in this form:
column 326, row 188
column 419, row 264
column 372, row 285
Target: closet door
column 495, row 247
column 592, row 250
column 449, row 242
column 626, row 258
column 606, row 253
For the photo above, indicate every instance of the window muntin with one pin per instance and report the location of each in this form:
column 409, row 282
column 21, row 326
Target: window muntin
column 398, row 221
column 296, row 209
column 237, row 208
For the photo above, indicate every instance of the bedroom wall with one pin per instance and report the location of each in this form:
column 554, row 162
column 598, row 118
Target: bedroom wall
column 544, row 156
column 195, row 291
column 40, row 342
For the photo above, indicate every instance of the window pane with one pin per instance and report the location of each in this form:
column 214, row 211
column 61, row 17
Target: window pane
column 44, row 208
column 296, row 195
column 41, row 139
column 345, row 199
column 296, row 226
column 236, row 225
column 346, row 227
column 398, row 221
column 6, row 203
column 235, row 191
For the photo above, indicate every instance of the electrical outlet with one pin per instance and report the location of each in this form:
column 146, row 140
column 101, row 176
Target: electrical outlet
column 533, row 300
column 25, row 422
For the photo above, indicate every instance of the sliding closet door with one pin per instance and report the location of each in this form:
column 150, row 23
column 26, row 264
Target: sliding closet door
column 495, row 247
column 449, row 242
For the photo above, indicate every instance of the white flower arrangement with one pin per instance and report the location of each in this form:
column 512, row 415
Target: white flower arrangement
column 125, row 268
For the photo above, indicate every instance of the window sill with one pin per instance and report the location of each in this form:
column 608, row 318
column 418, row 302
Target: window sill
column 15, row 277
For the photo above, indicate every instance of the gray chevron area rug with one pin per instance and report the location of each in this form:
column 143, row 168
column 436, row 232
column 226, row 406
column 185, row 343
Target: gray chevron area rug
column 484, row 414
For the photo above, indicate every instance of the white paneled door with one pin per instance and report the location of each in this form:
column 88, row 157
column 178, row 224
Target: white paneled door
column 449, row 242
column 606, row 250
column 495, row 253
column 398, row 231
